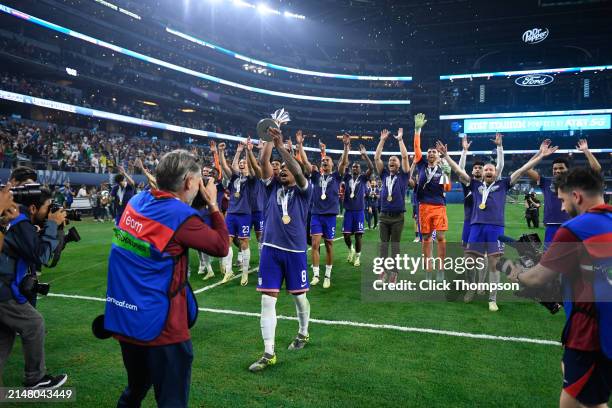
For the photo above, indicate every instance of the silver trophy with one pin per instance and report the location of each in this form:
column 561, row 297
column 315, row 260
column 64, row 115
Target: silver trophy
column 280, row 117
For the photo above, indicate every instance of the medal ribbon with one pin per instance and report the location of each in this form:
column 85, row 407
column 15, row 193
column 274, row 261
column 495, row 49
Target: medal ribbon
column 352, row 185
column 485, row 192
column 325, row 179
column 390, row 181
column 285, row 202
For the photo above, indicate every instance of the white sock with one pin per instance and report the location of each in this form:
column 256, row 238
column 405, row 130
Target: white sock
column 352, row 250
column 328, row 269
column 357, row 255
column 268, row 322
column 227, row 261
column 440, row 276
column 203, row 258
column 302, row 307
column 494, row 277
column 246, row 259
column 239, row 257
column 315, row 271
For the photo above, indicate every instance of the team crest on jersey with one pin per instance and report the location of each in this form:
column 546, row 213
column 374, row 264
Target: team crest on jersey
column 493, row 189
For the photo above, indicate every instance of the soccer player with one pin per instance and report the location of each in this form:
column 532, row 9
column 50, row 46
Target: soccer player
column 355, row 184
column 326, row 187
column 468, row 200
column 259, row 195
column 430, row 196
column 394, row 179
column 554, row 216
column 283, row 255
column 488, row 209
column 372, row 197
column 241, row 184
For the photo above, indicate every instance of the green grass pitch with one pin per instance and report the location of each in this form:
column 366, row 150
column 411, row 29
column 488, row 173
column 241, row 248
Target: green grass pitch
column 342, row 365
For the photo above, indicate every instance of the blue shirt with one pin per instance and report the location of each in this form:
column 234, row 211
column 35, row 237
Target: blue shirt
column 553, row 214
column 292, row 236
column 494, row 212
column 331, row 203
column 398, row 192
column 242, row 203
column 357, row 203
column 429, row 192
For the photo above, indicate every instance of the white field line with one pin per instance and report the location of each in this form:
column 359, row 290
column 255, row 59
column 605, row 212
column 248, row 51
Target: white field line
column 238, row 275
column 405, row 329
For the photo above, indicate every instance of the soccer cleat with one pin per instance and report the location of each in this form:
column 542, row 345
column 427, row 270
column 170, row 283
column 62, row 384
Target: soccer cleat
column 209, row 275
column 245, row 279
column 48, row 382
column 299, row 342
column 314, row 281
column 416, row 239
column 350, row 256
column 227, row 277
column 357, row 261
column 493, row 307
column 201, row 271
column 261, row 364
column 326, row 283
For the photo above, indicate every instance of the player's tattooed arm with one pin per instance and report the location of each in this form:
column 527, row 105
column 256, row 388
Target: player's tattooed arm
column 265, row 155
column 443, row 150
column 292, row 164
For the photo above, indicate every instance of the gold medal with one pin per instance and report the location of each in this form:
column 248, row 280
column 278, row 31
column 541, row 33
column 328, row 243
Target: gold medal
column 389, row 198
column 237, row 194
column 323, row 196
column 286, row 219
column 482, row 206
column 352, row 195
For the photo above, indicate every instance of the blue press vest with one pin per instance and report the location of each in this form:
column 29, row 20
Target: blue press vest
column 587, row 228
column 21, row 268
column 140, row 271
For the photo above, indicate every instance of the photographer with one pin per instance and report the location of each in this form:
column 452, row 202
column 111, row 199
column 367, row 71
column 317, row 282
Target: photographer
column 149, row 303
column 25, row 250
column 8, row 211
column 532, row 210
column 581, row 253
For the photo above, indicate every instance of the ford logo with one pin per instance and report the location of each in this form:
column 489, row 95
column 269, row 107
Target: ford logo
column 534, row 80
column 535, row 35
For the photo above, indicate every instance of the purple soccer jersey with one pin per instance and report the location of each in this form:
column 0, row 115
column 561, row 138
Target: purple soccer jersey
column 553, row 214
column 429, row 191
column 259, row 196
column 243, row 187
column 292, row 235
column 360, row 183
column 331, row 203
column 493, row 213
column 398, row 191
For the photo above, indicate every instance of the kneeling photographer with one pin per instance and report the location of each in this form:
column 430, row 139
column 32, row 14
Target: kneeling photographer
column 581, row 254
column 29, row 241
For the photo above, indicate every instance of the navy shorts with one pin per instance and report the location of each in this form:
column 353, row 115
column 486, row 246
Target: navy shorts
column 484, row 238
column 277, row 265
column 353, row 222
column 587, row 376
column 323, row 225
column 257, row 221
column 238, row 225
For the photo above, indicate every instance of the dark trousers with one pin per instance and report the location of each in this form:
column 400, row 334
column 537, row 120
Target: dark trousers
column 533, row 217
column 372, row 216
column 390, row 230
column 166, row 368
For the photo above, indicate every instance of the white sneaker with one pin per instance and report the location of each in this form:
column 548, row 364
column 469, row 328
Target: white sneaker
column 209, row 275
column 314, row 281
column 227, row 276
column 493, row 307
column 416, row 239
column 245, row 279
column 350, row 256
column 357, row 261
column 326, row 283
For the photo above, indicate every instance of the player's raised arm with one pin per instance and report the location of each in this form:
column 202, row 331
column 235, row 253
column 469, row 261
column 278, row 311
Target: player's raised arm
column 364, row 156
column 236, row 161
column 299, row 141
column 264, row 160
column 290, row 162
column 217, row 165
column 500, row 154
column 254, row 167
column 584, row 148
column 465, row 146
column 227, row 172
column 419, row 122
column 403, row 151
column 378, row 154
column 545, row 150
column 443, row 150
column 346, row 140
